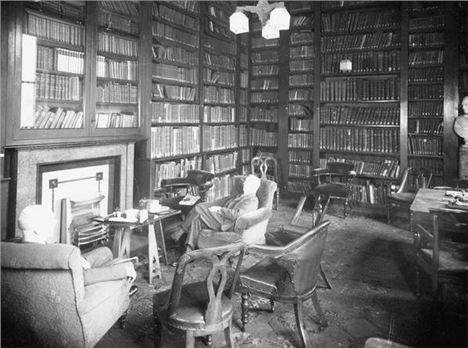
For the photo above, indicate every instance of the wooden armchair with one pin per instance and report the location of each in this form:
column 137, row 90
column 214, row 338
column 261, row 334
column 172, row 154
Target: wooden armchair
column 203, row 307
column 287, row 274
column 442, row 249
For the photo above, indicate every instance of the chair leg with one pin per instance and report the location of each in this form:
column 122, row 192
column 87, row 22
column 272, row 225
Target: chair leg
column 245, row 309
column 123, row 319
column 324, row 277
column 389, row 206
column 189, row 339
column 298, row 310
column 228, row 335
column 322, row 320
column 272, row 306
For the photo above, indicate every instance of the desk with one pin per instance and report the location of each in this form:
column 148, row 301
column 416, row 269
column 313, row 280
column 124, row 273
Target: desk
column 122, row 237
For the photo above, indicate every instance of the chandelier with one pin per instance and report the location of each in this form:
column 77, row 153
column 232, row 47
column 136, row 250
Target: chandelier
column 274, row 17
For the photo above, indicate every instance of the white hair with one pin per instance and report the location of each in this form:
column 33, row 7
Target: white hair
column 37, row 223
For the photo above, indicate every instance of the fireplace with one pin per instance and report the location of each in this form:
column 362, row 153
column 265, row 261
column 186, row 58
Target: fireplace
column 46, row 175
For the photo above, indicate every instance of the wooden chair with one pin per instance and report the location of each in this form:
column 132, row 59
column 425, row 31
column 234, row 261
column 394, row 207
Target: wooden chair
column 287, row 274
column 333, row 182
column 267, row 168
column 441, row 250
column 200, row 308
column 411, row 181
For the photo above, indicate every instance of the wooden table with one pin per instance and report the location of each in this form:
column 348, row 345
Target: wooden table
column 122, row 238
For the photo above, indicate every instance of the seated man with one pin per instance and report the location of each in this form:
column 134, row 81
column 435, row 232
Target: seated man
column 221, row 218
column 37, row 225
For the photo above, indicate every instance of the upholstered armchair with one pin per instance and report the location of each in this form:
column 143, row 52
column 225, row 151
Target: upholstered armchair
column 250, row 227
column 45, row 302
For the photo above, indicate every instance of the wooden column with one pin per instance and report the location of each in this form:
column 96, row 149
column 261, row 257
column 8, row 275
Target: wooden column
column 404, row 87
column 283, row 110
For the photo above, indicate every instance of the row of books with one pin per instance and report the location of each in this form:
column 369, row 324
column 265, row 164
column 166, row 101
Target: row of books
column 219, row 114
column 419, row 58
column 302, row 21
column 264, row 57
column 191, row 6
column 219, row 137
column 112, row 92
column 243, row 79
column 243, row 97
column 116, row 120
column 301, row 79
column 220, row 45
column 378, row 39
column 215, row 28
column 123, row 7
column 220, row 61
column 386, row 168
column 213, row 94
column 174, row 141
column 60, row 59
column 243, row 135
column 219, row 12
column 369, row 193
column 46, row 117
column 245, row 155
column 426, row 22
column 117, row 45
column 299, row 37
column 429, row 126
column 264, row 97
column 301, row 140
column 53, row 29
column 221, row 163
column 175, row 169
column 58, row 87
column 436, row 166
column 362, row 140
column 301, row 52
column 432, row 74
column 370, row 61
column 170, row 33
column 110, row 68
column 354, row 89
column 360, row 20
column 166, row 91
column 222, row 187
column 261, row 137
column 300, row 186
column 426, row 92
column 301, row 170
column 265, row 69
column 112, row 21
column 300, row 110
column 173, row 113
column 297, row 124
column 261, row 114
column 172, row 15
column 75, row 11
column 176, row 54
column 220, row 77
column 426, row 39
column 175, row 73
column 259, row 42
column 425, row 146
column 301, row 94
column 242, row 112
column 264, row 83
column 300, row 156
column 244, row 61
column 425, row 109
column 301, row 65
column 360, row 115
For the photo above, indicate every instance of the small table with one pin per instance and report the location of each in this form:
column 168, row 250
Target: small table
column 122, row 237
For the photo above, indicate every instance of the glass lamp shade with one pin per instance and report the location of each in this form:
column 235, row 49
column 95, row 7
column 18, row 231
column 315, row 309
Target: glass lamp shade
column 280, row 18
column 239, row 23
column 269, row 31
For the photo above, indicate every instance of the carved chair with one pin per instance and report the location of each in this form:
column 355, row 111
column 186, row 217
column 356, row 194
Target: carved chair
column 287, row 274
column 411, row 181
column 333, row 182
column 441, row 250
column 267, row 168
column 204, row 307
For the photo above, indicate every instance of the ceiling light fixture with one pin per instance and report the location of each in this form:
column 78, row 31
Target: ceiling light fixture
column 274, row 17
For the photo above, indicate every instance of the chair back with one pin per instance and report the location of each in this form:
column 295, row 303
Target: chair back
column 415, row 178
column 302, row 258
column 265, row 166
column 216, row 279
column 42, row 288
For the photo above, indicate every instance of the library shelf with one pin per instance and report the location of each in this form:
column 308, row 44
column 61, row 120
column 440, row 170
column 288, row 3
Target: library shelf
column 111, row 79
column 175, row 157
column 55, row 44
column 117, row 57
column 342, row 125
column 173, row 81
column 359, row 152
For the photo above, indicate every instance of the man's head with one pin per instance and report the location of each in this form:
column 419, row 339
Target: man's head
column 251, row 184
column 465, row 105
column 37, row 224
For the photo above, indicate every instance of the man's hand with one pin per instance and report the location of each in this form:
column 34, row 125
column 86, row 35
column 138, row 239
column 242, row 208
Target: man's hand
column 214, row 209
column 130, row 271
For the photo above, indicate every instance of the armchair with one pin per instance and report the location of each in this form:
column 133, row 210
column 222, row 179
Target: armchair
column 46, row 301
column 250, row 227
column 333, row 182
column 287, row 274
column 267, row 167
column 202, row 307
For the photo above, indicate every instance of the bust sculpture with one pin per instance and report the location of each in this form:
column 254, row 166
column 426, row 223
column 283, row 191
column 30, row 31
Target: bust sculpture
column 461, row 122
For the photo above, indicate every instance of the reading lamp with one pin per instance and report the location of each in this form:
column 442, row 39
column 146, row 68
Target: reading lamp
column 274, row 17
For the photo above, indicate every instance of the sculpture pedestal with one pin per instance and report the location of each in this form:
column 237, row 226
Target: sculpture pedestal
column 463, row 163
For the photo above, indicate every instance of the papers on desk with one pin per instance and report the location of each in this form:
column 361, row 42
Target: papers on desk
column 189, row 200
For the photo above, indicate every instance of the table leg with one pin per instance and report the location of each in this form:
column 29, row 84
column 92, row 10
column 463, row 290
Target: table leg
column 163, row 246
column 121, row 243
column 154, row 268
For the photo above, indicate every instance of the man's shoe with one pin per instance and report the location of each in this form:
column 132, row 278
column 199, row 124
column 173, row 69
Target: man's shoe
column 133, row 290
